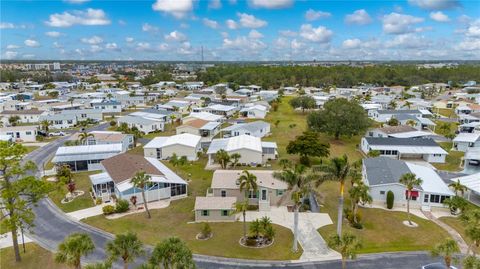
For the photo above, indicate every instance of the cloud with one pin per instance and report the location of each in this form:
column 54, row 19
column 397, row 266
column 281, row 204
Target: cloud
column 249, row 21
column 7, row 25
column 473, row 30
column 176, row 36
column 95, row 48
column 177, row 8
column 439, row 16
column 395, row 23
column 112, row 46
column 10, row 54
column 320, row 34
column 351, row 43
column 407, row 41
column 271, row 4
column 78, row 17
column 469, row 44
column 31, row 43
column 312, row 15
column 244, row 43
column 76, row 1
column 94, row 40
column 129, row 39
column 231, row 24
column 210, row 23
column 146, row 27
column 296, row 45
column 435, row 4
column 28, row 56
column 122, row 22
column 53, row 34
column 214, row 4
column 359, row 17
column 12, row 47
column 57, row 45
column 254, row 34
column 287, row 33
column 464, row 19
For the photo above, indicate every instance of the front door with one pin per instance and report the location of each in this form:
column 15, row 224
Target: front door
column 264, row 195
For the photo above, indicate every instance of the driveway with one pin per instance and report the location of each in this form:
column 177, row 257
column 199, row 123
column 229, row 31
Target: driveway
column 314, row 246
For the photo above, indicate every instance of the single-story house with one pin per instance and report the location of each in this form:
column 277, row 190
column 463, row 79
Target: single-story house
column 472, row 183
column 386, row 115
column 254, row 112
column 256, row 128
column 108, row 137
column 205, row 129
column 106, row 106
column 163, row 147
column 60, row 121
column 20, row 133
column 405, row 148
column 85, row 157
column 464, row 141
column 25, row 116
column 219, row 109
column 214, row 208
column 120, row 169
column 400, row 131
column 142, row 124
column 252, row 150
column 204, row 116
column 382, row 174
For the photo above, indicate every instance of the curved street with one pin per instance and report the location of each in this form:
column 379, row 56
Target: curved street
column 52, row 226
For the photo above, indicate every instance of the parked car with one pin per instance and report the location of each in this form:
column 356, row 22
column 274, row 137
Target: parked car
column 437, row 265
column 57, row 134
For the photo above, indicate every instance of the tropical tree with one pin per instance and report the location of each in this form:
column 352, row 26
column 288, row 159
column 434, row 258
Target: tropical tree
column 13, row 120
column 140, row 181
column 172, row 253
column 73, row 248
column 359, row 193
column 408, row 104
column 285, row 163
column 308, row 145
column 45, row 125
column 411, row 123
column 471, row 221
column 125, row 246
column 347, row 245
column 303, row 102
column 235, row 157
column 458, row 187
column 222, row 158
column 248, row 183
column 337, row 169
column 256, row 228
column 19, row 191
column 392, row 105
column 242, row 207
column 83, row 137
column 109, row 96
column 99, row 265
column 298, row 182
column 410, row 180
column 471, row 262
column 446, row 249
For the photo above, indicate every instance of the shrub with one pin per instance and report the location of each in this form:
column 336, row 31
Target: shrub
column 98, row 201
column 113, row 123
column 108, row 210
column 357, row 225
column 251, row 241
column 206, row 230
column 269, row 232
column 122, row 206
column 390, row 199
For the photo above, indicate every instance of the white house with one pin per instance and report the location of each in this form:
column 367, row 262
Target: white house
column 106, row 106
column 60, row 121
column 25, row 116
column 256, row 128
column 254, row 112
column 400, row 131
column 144, row 125
column 252, row 150
column 163, row 147
column 464, row 141
column 409, row 148
column 386, row 115
column 107, row 137
column 86, row 157
column 20, row 133
column 382, row 175
column 205, row 129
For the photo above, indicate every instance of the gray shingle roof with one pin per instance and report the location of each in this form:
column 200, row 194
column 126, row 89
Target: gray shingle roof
column 392, row 141
column 402, row 111
column 384, row 170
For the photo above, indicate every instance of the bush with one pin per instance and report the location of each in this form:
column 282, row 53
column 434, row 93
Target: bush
column 357, row 225
column 390, row 199
column 122, row 206
column 113, row 123
column 251, row 241
column 98, row 201
column 206, row 230
column 108, row 210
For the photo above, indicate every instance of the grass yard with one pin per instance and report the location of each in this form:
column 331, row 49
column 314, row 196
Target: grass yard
column 82, row 182
column 456, row 224
column 383, row 230
column 31, row 148
column 453, row 159
column 35, row 257
column 447, row 112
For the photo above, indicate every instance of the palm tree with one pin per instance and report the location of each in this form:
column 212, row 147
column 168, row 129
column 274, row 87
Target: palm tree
column 109, row 96
column 408, row 104
column 83, row 137
column 99, row 265
column 337, row 169
column 256, row 228
column 411, row 123
column 347, row 245
column 458, row 187
column 471, row 262
column 71, row 250
column 45, row 124
column 392, row 105
column 410, row 180
column 359, row 194
column 242, row 207
column 140, row 181
column 248, row 183
column 70, row 100
column 299, row 183
column 285, row 163
column 446, row 249
column 172, row 253
column 222, row 158
column 235, row 158
column 126, row 246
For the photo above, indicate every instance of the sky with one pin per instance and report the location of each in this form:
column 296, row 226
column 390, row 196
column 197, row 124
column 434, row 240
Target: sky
column 240, row 30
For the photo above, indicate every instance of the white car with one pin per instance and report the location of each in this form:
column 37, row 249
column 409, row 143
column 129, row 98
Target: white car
column 437, row 265
column 56, row 134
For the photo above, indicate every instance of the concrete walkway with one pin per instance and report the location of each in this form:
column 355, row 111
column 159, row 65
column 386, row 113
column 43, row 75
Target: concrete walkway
column 6, row 240
column 314, row 246
column 97, row 210
column 453, row 233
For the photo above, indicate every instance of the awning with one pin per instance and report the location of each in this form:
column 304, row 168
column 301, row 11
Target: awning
column 412, row 194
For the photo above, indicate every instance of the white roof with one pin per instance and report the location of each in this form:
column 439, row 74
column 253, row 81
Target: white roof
column 472, row 182
column 411, row 134
column 432, row 182
column 205, row 116
column 369, row 106
column 185, row 139
column 255, row 107
column 463, row 107
column 85, row 149
column 472, row 154
column 214, row 203
column 221, row 107
column 467, row 137
column 169, row 177
column 236, row 143
column 100, row 178
column 227, row 179
column 411, row 149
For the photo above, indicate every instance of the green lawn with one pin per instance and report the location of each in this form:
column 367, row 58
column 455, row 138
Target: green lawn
column 447, row 112
column 35, row 257
column 31, row 148
column 383, row 230
column 453, row 159
column 82, row 182
column 458, row 225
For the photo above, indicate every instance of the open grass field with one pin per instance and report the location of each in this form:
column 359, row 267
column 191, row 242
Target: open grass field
column 447, row 112
column 383, row 230
column 453, row 160
column 82, row 182
column 35, row 257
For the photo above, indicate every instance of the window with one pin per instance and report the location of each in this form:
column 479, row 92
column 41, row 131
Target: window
column 425, row 198
column 223, row 193
column 434, row 198
column 224, row 213
column 388, row 152
column 382, row 152
column 382, row 192
column 280, row 192
column 252, row 194
column 28, row 133
column 205, row 213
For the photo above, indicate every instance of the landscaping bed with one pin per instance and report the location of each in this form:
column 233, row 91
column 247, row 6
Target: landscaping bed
column 82, row 183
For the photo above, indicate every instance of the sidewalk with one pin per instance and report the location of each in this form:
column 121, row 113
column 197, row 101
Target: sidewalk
column 97, row 210
column 453, row 233
column 6, row 240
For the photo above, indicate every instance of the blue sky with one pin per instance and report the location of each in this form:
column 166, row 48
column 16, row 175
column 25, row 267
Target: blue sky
column 240, row 30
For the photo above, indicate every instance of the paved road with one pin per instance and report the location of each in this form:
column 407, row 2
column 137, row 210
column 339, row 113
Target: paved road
column 52, row 226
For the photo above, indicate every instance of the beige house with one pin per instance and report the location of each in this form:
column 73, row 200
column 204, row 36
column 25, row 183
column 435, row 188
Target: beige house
column 163, row 147
column 205, row 129
column 214, row 208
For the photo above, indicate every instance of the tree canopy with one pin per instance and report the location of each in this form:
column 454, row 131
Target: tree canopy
column 339, row 117
column 303, row 102
column 308, row 144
